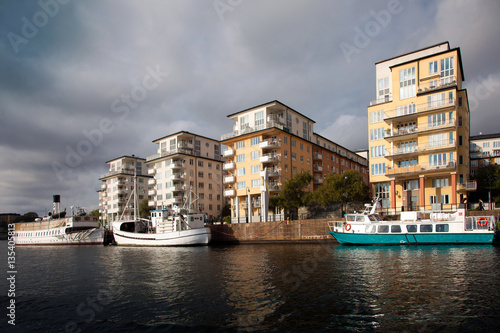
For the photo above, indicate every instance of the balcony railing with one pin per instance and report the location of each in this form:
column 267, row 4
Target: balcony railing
column 229, row 179
column 170, row 152
column 229, row 166
column 272, row 173
column 437, row 84
column 317, row 156
column 270, row 144
column 419, row 168
column 381, row 100
column 317, row 168
column 229, row 193
column 270, row 158
column 467, row 186
column 433, row 105
column 248, row 129
column 228, row 152
column 126, row 171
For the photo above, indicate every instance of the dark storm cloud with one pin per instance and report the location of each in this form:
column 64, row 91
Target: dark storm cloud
column 64, row 87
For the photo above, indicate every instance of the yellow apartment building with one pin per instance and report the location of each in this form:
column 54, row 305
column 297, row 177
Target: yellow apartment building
column 269, row 144
column 418, row 131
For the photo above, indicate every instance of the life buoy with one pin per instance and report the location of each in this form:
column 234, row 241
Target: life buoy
column 347, row 227
column 482, row 219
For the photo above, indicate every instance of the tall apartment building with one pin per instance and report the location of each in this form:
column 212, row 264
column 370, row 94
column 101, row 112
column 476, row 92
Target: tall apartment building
column 187, row 167
column 269, row 144
column 419, row 130
column 484, row 150
column 118, row 185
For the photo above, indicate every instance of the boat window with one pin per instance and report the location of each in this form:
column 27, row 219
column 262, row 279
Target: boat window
column 411, row 228
column 395, row 228
column 383, row 229
column 371, row 229
column 373, row 218
column 360, row 218
column 426, row 228
column 442, row 228
column 350, row 218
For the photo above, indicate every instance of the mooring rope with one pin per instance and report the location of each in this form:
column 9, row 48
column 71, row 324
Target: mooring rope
column 257, row 233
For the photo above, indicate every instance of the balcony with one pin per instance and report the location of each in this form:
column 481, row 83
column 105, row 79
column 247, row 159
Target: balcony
column 317, row 156
column 439, row 145
column 126, row 171
column 178, row 176
column 229, row 193
column 151, row 181
column 419, row 168
column 402, row 133
column 385, row 99
column 152, row 203
column 151, row 171
column 177, row 165
column 467, row 186
column 435, row 84
column 270, row 144
column 229, row 179
column 228, row 153
column 404, row 115
column 270, row 158
column 318, row 181
column 273, row 173
column 317, row 168
column 270, row 124
column 152, row 192
column 177, row 198
column 229, row 166
column 409, row 151
column 103, row 186
column 178, row 188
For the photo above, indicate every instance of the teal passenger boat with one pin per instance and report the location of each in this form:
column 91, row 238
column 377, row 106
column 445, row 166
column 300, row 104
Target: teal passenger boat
column 441, row 227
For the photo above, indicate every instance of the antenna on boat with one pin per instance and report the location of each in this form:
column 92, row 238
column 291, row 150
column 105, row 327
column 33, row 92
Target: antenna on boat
column 375, row 203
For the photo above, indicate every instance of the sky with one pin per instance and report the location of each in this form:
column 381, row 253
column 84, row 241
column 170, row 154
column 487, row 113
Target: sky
column 84, row 82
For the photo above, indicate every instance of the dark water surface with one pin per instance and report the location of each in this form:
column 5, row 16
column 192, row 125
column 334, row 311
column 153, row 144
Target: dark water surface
column 320, row 287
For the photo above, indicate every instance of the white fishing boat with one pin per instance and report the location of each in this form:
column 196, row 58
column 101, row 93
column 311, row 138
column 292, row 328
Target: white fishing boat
column 177, row 227
column 441, row 227
column 57, row 229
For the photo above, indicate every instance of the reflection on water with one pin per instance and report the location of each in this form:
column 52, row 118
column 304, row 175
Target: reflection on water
column 258, row 287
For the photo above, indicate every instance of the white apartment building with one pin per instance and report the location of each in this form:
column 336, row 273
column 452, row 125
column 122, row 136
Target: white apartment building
column 484, row 150
column 187, row 168
column 118, row 185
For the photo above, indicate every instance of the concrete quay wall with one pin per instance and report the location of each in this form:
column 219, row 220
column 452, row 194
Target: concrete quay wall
column 273, row 232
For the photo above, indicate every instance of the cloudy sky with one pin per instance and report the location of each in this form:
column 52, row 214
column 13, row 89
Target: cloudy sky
column 83, row 82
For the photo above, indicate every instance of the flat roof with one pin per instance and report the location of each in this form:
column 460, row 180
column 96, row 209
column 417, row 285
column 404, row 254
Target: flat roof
column 186, row 132
column 135, row 157
column 271, row 102
column 484, row 136
column 415, row 51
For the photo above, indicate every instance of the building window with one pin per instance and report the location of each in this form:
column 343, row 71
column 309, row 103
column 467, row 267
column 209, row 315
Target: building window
column 244, row 122
column 460, row 121
column 460, row 140
column 440, row 182
column 383, row 89
column 407, row 86
column 377, row 151
column 445, row 199
column 240, row 185
column 255, row 155
column 460, row 159
column 460, row 103
column 377, row 134
column 259, row 120
column 406, row 109
column 378, row 169
column 382, row 191
column 255, row 183
column 376, row 116
column 240, row 172
column 240, row 158
column 294, row 143
column 433, row 67
column 410, row 185
column 240, row 144
column 447, row 70
column 255, row 141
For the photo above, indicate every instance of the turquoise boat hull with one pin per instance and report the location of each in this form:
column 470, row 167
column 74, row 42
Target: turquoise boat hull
column 418, row 238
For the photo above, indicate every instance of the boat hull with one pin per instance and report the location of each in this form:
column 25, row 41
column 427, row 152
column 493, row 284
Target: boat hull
column 84, row 237
column 403, row 238
column 190, row 237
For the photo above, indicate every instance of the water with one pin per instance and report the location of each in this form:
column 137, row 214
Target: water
column 320, row 287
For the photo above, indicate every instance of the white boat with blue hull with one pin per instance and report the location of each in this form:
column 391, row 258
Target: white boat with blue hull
column 368, row 228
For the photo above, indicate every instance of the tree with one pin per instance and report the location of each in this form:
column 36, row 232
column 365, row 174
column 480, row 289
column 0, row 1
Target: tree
column 144, row 208
column 488, row 179
column 346, row 187
column 292, row 194
column 95, row 212
column 28, row 217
